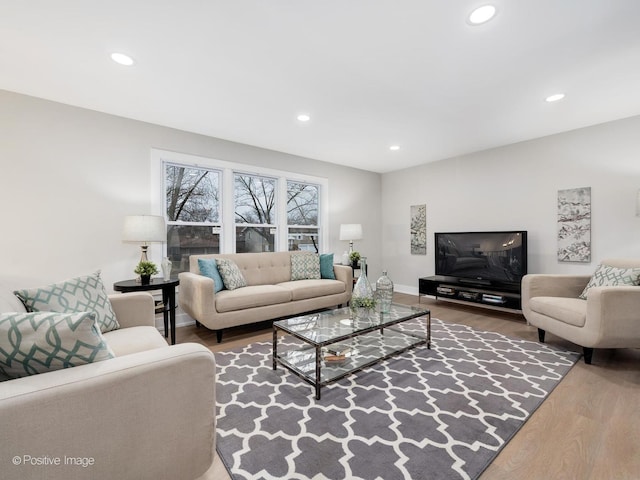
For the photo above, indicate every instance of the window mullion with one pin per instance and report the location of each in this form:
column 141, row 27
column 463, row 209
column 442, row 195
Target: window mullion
column 228, row 212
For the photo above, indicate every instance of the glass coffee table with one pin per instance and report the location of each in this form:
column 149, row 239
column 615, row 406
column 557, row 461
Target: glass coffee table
column 335, row 343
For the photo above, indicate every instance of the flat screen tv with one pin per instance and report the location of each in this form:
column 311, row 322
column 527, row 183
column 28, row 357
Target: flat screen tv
column 483, row 258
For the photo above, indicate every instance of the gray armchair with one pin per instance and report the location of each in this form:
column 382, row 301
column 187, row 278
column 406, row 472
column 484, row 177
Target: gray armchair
column 608, row 318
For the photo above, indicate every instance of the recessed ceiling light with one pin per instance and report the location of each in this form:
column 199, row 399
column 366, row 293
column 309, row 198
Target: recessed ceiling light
column 482, row 14
column 122, row 59
column 554, row 98
column 394, row 147
column 303, row 117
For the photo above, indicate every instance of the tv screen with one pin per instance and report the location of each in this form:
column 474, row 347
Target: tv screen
column 483, row 257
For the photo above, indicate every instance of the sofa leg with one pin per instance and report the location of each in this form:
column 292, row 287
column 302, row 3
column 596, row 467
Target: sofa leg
column 197, row 324
column 541, row 333
column 219, row 335
column 588, row 355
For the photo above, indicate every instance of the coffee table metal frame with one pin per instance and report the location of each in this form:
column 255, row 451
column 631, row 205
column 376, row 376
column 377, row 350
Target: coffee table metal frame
column 320, row 330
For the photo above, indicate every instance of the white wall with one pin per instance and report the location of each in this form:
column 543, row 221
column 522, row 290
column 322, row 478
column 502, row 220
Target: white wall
column 68, row 177
column 515, row 187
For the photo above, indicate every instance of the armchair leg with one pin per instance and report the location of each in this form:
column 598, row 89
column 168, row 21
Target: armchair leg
column 541, row 333
column 588, row 355
column 219, row 336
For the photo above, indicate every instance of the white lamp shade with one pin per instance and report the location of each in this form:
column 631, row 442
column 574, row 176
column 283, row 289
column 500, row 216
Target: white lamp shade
column 350, row 231
column 144, row 228
column 638, row 204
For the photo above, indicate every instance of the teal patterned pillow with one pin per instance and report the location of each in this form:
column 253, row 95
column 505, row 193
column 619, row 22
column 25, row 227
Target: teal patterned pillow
column 606, row 276
column 305, row 265
column 208, row 268
column 38, row 342
column 231, row 274
column 326, row 266
column 82, row 294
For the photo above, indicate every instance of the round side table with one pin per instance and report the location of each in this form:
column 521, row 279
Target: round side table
column 168, row 288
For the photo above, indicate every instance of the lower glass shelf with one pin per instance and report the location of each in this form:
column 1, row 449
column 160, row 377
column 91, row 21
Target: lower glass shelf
column 359, row 352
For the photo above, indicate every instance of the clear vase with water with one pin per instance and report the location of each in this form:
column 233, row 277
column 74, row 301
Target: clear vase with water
column 166, row 268
column 363, row 298
column 384, row 293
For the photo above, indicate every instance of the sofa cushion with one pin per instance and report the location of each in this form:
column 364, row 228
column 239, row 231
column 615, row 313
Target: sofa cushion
column 305, row 265
column 326, row 266
column 125, row 341
column 81, row 294
column 209, row 268
column 572, row 311
column 38, row 342
column 231, row 274
column 607, row 276
column 250, row 297
column 303, row 289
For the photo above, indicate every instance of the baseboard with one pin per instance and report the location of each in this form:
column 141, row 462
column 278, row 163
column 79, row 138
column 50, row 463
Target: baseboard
column 405, row 289
column 182, row 320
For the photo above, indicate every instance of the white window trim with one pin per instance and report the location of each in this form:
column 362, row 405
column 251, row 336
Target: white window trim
column 228, row 169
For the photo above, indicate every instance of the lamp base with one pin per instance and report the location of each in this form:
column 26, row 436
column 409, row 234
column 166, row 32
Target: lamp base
column 143, row 256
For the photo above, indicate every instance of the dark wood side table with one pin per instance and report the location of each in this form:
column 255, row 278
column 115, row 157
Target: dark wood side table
column 168, row 288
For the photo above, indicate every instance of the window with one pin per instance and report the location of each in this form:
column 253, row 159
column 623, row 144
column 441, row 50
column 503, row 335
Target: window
column 302, row 216
column 255, row 213
column 192, row 201
column 211, row 206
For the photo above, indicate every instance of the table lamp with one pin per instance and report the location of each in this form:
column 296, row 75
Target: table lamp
column 144, row 229
column 350, row 232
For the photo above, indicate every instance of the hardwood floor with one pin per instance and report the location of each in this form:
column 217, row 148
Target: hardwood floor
column 587, row 429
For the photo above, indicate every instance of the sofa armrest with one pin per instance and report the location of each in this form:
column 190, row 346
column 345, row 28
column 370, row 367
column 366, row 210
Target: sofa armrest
column 344, row 273
column 197, row 296
column 546, row 285
column 612, row 315
column 135, row 309
column 148, row 415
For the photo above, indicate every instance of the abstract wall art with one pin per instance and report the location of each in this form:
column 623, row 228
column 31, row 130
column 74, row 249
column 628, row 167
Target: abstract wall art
column 574, row 225
column 418, row 230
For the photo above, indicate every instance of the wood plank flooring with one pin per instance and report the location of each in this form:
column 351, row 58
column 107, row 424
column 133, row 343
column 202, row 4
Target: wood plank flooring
column 587, row 429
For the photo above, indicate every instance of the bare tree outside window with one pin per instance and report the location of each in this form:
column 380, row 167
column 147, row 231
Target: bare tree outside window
column 302, row 204
column 193, row 213
column 302, row 210
column 255, row 213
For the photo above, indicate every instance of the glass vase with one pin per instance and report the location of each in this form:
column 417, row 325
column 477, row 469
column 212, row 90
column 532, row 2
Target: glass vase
column 166, row 268
column 384, row 293
column 362, row 298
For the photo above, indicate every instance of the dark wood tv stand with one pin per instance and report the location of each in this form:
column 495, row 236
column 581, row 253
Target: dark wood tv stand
column 454, row 289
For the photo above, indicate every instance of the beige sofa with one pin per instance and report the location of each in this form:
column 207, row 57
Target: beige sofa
column 127, row 417
column 269, row 293
column 608, row 318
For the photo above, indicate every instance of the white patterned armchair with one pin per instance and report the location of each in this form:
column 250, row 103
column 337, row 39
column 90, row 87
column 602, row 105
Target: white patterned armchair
column 148, row 413
column 609, row 317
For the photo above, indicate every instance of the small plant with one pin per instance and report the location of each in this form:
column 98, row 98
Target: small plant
column 354, row 257
column 362, row 302
column 146, row 269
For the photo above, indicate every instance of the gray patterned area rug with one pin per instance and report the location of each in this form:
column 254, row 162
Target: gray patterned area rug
column 443, row 413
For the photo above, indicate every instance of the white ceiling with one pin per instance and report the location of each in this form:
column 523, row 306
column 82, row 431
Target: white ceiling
column 371, row 73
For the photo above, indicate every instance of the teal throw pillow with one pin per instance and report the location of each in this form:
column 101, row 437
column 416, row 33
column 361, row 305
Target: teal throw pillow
column 209, row 268
column 326, row 266
column 607, row 276
column 81, row 294
column 231, row 275
column 38, row 342
column 305, row 265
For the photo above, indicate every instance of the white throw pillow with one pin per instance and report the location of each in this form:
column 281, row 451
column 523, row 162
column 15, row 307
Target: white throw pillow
column 81, row 294
column 607, row 276
column 38, row 342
